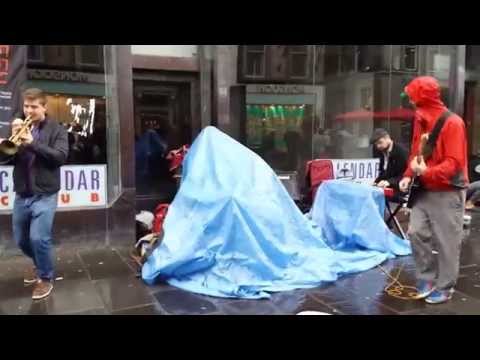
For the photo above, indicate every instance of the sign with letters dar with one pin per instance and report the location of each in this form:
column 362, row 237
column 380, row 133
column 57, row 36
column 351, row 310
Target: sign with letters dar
column 358, row 170
column 82, row 186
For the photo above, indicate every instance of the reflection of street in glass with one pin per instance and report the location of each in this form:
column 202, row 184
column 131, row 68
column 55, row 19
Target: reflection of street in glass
column 276, row 132
column 82, row 116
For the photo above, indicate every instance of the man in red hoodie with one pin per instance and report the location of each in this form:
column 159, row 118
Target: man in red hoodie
column 436, row 220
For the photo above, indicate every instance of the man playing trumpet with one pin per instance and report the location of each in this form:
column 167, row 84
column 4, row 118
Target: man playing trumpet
column 39, row 153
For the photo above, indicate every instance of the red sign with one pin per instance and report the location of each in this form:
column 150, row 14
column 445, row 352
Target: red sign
column 13, row 74
column 4, row 62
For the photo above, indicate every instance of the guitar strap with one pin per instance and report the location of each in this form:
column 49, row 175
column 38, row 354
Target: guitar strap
column 416, row 186
column 433, row 137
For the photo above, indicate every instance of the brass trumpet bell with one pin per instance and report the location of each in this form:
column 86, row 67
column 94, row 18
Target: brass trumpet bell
column 10, row 146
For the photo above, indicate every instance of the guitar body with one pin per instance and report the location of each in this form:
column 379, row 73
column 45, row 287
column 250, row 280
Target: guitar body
column 416, row 188
column 425, row 150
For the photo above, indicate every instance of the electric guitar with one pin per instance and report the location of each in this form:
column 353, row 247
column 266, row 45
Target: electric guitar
column 415, row 187
column 425, row 150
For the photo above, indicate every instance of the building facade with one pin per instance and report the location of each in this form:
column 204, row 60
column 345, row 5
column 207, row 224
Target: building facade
column 126, row 106
column 291, row 104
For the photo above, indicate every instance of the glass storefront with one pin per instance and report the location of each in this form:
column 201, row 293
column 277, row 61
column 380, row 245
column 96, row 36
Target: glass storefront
column 472, row 108
column 81, row 86
column 307, row 102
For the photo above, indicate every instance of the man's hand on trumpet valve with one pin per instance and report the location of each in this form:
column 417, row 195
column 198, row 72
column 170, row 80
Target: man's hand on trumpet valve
column 26, row 138
column 16, row 126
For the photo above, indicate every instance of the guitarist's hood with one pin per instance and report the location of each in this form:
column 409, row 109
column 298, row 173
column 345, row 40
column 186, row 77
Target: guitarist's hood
column 425, row 93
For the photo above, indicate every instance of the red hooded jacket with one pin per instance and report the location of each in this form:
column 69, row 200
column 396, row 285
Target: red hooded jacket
column 447, row 167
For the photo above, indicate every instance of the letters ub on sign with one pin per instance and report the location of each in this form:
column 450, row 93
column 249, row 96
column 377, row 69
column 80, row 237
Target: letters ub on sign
column 82, row 186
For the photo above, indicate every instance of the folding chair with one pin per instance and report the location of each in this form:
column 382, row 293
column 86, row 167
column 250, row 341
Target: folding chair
column 392, row 196
column 318, row 171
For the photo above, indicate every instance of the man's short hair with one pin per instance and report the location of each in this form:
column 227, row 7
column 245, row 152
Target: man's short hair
column 35, row 94
column 378, row 134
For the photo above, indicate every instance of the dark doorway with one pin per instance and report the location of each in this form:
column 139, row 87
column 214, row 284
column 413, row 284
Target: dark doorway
column 162, row 123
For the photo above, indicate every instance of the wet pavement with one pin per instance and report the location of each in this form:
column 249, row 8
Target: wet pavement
column 104, row 281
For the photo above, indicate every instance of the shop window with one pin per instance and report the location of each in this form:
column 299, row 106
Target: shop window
column 369, row 57
column 78, row 101
column 89, row 55
column 350, row 105
column 411, row 57
column 254, row 61
column 86, row 103
column 299, row 61
column 472, row 58
column 332, row 60
column 348, row 58
column 278, row 62
column 278, row 132
column 472, row 107
column 402, row 57
column 438, row 61
column 85, row 118
column 35, row 54
column 67, row 57
column 59, row 56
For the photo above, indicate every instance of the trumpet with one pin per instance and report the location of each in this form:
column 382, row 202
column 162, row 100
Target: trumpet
column 10, row 146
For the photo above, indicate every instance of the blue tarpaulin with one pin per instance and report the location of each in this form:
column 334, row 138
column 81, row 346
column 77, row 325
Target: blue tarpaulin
column 234, row 231
column 351, row 217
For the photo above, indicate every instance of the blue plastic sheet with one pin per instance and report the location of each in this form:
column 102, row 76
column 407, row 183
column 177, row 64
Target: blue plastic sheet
column 351, row 218
column 234, row 231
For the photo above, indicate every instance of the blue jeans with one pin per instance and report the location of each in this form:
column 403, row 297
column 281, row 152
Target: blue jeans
column 32, row 222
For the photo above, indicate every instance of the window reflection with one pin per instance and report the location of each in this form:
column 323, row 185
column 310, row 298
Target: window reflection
column 84, row 118
column 276, row 132
column 73, row 78
column 353, row 89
